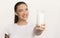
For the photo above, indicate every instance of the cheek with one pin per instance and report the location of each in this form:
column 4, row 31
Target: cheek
column 20, row 14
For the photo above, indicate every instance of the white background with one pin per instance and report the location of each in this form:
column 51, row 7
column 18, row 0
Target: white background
column 51, row 8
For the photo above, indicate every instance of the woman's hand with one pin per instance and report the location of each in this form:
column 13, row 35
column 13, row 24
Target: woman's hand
column 39, row 29
column 6, row 36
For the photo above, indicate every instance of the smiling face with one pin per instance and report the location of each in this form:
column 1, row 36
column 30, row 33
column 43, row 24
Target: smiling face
column 22, row 11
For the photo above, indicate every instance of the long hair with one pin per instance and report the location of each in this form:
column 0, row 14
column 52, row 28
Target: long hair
column 15, row 9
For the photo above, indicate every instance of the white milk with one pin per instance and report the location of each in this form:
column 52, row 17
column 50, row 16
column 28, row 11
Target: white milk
column 40, row 19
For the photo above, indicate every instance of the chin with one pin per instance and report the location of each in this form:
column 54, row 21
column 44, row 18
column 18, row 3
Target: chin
column 24, row 18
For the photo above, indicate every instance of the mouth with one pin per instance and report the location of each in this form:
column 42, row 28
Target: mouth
column 24, row 16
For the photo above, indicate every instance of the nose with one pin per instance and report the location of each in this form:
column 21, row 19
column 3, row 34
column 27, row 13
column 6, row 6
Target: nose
column 25, row 13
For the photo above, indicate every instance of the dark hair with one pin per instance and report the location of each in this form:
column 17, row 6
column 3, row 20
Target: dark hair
column 15, row 7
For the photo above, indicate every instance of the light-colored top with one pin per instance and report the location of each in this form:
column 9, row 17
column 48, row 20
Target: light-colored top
column 20, row 31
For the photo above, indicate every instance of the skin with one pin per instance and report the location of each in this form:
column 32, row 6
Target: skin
column 6, row 36
column 38, row 30
column 22, row 13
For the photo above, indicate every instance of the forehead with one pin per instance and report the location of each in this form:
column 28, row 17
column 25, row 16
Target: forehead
column 21, row 6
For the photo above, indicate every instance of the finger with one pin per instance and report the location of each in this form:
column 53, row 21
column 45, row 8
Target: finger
column 42, row 28
column 37, row 26
column 42, row 25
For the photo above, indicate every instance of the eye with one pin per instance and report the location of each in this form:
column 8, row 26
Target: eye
column 26, row 9
column 20, row 10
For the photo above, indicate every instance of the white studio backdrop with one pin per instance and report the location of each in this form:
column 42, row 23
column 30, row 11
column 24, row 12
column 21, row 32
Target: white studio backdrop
column 51, row 9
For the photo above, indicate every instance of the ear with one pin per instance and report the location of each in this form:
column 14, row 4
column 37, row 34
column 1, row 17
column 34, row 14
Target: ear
column 16, row 14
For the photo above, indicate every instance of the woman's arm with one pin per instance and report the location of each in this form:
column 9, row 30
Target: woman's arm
column 39, row 29
column 6, row 36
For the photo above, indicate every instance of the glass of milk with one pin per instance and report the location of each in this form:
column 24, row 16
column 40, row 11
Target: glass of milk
column 40, row 19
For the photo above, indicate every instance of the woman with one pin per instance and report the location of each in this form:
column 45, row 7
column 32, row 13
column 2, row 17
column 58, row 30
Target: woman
column 21, row 28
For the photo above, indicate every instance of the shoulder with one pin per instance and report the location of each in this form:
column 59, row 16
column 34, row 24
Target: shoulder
column 8, row 28
column 9, row 25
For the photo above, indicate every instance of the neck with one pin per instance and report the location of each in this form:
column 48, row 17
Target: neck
column 22, row 22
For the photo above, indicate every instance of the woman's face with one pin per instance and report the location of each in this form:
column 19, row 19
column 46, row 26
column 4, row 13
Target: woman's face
column 22, row 12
